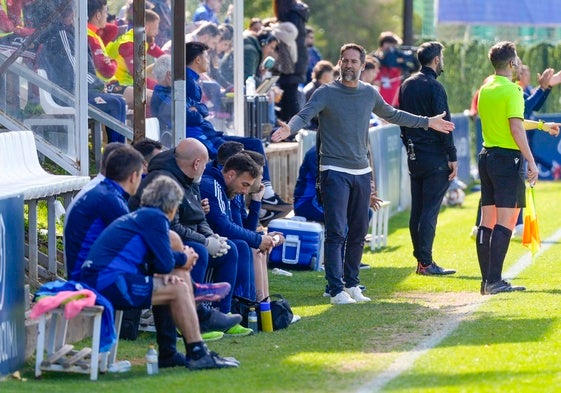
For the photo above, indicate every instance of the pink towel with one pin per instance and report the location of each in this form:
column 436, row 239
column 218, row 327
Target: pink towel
column 74, row 302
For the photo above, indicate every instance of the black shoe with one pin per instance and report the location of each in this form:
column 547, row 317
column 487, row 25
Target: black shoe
column 271, row 215
column 482, row 288
column 176, row 360
column 276, row 203
column 433, row 270
column 212, row 360
column 364, row 266
column 501, row 286
column 218, row 321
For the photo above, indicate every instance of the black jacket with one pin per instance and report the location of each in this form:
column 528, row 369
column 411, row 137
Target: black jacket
column 421, row 94
column 298, row 15
column 190, row 221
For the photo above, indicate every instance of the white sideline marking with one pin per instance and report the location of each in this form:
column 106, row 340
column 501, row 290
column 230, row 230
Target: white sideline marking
column 407, row 359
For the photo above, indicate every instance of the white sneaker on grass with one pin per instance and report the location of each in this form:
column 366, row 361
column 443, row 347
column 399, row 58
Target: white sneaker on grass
column 356, row 294
column 342, row 298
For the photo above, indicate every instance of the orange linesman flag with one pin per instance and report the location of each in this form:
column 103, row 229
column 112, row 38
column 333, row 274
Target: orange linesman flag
column 531, row 235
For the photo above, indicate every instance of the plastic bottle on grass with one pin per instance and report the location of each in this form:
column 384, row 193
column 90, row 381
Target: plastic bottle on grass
column 152, row 360
column 252, row 320
column 266, row 317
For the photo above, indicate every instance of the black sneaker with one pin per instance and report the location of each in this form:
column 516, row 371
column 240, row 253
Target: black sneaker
column 176, row 360
column 433, row 270
column 364, row 266
column 501, row 286
column 271, row 215
column 276, row 203
column 212, row 360
column 218, row 321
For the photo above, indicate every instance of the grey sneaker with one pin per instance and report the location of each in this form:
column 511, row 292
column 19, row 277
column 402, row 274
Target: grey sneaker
column 218, row 321
column 501, row 286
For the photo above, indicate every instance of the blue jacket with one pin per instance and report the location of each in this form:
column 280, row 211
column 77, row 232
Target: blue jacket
column 220, row 216
column 197, row 126
column 160, row 106
column 90, row 215
column 136, row 244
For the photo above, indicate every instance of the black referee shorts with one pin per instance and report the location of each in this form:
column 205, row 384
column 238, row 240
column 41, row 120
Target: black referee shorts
column 502, row 177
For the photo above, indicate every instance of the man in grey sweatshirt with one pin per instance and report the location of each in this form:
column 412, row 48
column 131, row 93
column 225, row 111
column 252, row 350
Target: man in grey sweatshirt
column 343, row 108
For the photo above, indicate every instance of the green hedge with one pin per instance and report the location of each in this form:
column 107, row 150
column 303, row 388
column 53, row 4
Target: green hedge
column 466, row 66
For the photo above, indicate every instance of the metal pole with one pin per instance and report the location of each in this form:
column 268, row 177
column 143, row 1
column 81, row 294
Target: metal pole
column 408, row 22
column 178, row 70
column 238, row 69
column 139, row 69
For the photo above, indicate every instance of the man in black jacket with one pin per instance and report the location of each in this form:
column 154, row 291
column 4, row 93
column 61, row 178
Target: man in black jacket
column 431, row 155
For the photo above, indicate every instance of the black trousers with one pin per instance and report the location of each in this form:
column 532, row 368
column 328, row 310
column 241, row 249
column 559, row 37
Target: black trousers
column 427, row 191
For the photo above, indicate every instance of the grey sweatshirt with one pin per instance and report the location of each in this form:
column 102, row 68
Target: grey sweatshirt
column 344, row 114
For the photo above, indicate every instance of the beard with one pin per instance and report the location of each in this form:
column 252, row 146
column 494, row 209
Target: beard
column 439, row 69
column 350, row 75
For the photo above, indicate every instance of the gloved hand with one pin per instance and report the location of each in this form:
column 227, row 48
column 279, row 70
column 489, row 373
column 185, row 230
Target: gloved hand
column 224, row 244
column 216, row 246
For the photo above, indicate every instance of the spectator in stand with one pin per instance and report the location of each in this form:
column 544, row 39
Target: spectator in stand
column 200, row 128
column 105, row 66
column 255, row 49
column 149, row 149
column 11, row 19
column 122, row 51
column 391, row 70
column 133, row 265
column 163, row 9
column 313, row 53
column 368, row 75
column 207, row 11
column 58, row 59
column 161, row 102
column 207, row 33
column 297, row 13
column 255, row 26
column 217, row 55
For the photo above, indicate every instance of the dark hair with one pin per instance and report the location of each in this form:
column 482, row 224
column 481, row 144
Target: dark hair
column 255, row 21
column 356, row 47
column 193, row 50
column 151, row 16
column 428, row 51
column 242, row 163
column 321, row 68
column 95, row 6
column 266, row 37
column 258, row 158
column 502, row 53
column 371, row 62
column 309, row 29
column 227, row 150
column 146, row 147
column 388, row 37
column 108, row 149
column 282, row 7
column 122, row 163
column 226, row 32
column 207, row 28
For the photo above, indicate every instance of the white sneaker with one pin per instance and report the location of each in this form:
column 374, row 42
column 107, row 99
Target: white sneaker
column 518, row 231
column 356, row 294
column 342, row 298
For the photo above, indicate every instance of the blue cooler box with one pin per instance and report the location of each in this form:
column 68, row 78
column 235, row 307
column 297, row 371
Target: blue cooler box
column 303, row 245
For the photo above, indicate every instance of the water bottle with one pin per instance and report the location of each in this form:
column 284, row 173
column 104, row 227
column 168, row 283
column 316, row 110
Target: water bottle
column 250, row 86
column 252, row 320
column 151, row 361
column 266, row 317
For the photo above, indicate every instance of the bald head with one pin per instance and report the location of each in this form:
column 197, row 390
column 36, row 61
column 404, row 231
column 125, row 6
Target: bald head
column 192, row 157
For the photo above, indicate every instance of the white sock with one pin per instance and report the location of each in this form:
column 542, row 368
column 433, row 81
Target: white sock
column 269, row 192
